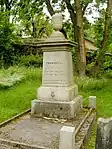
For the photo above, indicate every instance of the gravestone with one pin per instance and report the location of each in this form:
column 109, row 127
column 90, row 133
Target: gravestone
column 104, row 134
column 58, row 95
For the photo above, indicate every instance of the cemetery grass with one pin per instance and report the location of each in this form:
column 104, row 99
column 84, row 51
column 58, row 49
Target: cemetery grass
column 104, row 105
column 18, row 98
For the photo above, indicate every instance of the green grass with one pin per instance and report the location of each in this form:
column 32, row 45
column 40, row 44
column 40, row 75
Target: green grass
column 104, row 99
column 104, row 104
column 18, row 98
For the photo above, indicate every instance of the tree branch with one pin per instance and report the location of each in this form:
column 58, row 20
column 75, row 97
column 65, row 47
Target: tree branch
column 84, row 8
column 49, row 7
column 73, row 18
column 10, row 2
column 85, row 5
column 71, row 11
column 107, row 24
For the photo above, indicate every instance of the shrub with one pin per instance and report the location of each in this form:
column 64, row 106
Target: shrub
column 30, row 60
column 7, row 41
column 9, row 81
column 14, row 75
column 90, row 83
column 108, row 73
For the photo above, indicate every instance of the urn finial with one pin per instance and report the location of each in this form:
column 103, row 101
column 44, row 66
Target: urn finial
column 57, row 21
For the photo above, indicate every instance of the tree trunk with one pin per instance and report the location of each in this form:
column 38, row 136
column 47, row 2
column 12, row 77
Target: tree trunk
column 34, row 30
column 80, row 36
column 75, row 39
column 49, row 7
column 104, row 43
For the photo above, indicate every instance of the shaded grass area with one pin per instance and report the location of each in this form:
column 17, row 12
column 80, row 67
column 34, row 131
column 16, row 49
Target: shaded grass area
column 18, row 98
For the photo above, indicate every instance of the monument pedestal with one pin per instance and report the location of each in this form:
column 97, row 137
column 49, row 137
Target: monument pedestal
column 56, row 109
column 53, row 93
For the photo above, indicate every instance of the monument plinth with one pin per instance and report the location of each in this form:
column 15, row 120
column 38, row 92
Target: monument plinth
column 58, row 95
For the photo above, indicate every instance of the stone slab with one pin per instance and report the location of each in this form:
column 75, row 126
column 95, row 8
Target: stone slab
column 41, row 132
column 67, row 110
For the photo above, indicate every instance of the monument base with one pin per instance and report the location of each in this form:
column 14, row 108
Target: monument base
column 54, row 93
column 57, row 109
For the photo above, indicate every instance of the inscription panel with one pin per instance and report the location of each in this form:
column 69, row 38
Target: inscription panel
column 55, row 69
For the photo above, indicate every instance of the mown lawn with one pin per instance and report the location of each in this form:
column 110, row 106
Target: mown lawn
column 18, row 98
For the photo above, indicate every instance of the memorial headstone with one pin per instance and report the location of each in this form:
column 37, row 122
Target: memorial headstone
column 58, row 95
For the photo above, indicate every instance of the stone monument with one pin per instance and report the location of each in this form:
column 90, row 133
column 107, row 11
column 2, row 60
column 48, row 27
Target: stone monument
column 58, row 95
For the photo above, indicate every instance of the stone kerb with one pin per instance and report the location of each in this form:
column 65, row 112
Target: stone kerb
column 58, row 93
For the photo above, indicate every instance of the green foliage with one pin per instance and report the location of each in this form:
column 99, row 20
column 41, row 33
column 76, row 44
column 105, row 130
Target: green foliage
column 99, row 28
column 32, row 20
column 107, row 65
column 9, row 81
column 14, row 75
column 68, row 27
column 108, row 74
column 106, row 69
column 30, row 60
column 88, row 84
column 29, row 73
column 7, row 41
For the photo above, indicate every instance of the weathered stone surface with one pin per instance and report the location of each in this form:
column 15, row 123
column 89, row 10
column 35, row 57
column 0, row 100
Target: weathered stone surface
column 67, row 138
column 57, row 21
column 92, row 102
column 48, row 93
column 58, row 95
column 104, row 134
column 57, row 69
column 67, row 110
column 42, row 133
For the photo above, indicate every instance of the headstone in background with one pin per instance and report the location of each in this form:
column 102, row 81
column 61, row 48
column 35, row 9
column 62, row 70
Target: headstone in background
column 104, row 134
